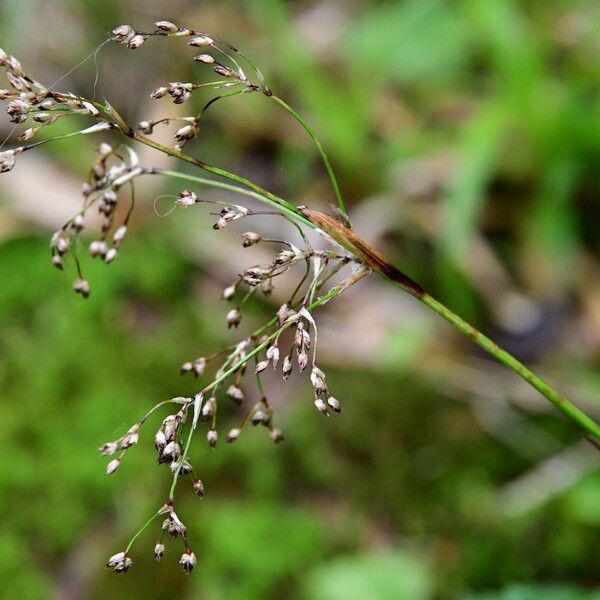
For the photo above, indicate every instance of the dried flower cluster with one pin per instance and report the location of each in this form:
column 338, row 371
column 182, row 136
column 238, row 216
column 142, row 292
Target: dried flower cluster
column 111, row 184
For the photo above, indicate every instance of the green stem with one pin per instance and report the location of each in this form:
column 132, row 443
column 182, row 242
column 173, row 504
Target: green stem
column 559, row 401
column 315, row 139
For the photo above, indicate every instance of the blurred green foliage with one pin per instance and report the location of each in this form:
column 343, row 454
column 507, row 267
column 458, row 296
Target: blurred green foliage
column 373, row 505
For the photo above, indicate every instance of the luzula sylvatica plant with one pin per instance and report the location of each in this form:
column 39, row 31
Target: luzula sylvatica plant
column 322, row 274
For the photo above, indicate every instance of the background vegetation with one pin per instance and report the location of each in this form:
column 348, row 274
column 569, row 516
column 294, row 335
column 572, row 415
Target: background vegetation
column 466, row 136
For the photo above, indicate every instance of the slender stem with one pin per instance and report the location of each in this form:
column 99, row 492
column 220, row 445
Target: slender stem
column 315, row 139
column 560, row 402
column 141, row 530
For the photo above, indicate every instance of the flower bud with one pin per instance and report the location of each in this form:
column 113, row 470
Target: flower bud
column 302, row 360
column 119, row 562
column 273, row 355
column 186, row 198
column 208, row 408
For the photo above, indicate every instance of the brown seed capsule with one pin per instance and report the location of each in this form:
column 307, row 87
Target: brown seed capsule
column 158, row 93
column 302, row 360
column 119, row 563
column 209, row 408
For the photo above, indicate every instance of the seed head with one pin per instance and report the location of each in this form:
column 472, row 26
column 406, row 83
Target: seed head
column 273, row 355
column 276, row 435
column 199, row 366
column 81, row 286
column 120, row 234
column 112, row 466
column 131, row 437
column 170, row 452
column 208, row 408
column 78, row 223
column 287, row 367
column 98, row 248
column 160, row 440
column 57, row 262
column 136, row 41
column 108, row 449
column 188, row 561
column 110, row 255
column 233, row 318
column 212, row 437
column 334, row 403
column 184, row 469
column 201, row 40
column 250, row 238
column 186, row 198
column 159, row 551
column 119, row 562
column 7, row 161
column 321, row 406
column 229, row 292
column 204, row 58
column 147, row 127
column 166, row 26
column 261, row 366
column 198, row 488
column 302, row 360
column 123, row 33
column 235, row 393
column 157, row 93
column 233, row 435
